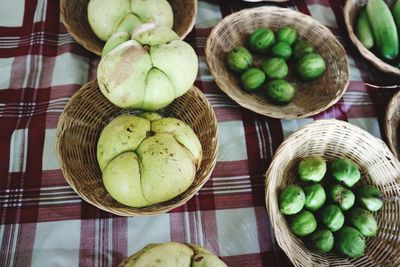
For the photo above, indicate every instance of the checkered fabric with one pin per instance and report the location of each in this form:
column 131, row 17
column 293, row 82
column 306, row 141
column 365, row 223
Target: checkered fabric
column 43, row 222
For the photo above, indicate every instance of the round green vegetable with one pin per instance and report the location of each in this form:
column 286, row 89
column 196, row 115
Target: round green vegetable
column 280, row 91
column 369, row 197
column 310, row 66
column 239, row 59
column 345, row 171
column 341, row 196
column 275, row 68
column 312, row 169
column 363, row 221
column 252, row 79
column 301, row 48
column 321, row 241
column 332, row 217
column 303, row 223
column 291, row 200
column 349, row 242
column 315, row 196
column 286, row 34
column 282, row 50
column 261, row 40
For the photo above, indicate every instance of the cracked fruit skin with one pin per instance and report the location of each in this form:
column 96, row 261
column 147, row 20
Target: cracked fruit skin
column 303, row 223
column 345, row 171
column 321, row 241
column 349, row 242
column 261, row 40
column 315, row 197
column 239, row 59
column 312, row 169
column 147, row 159
column 369, row 197
column 291, row 200
column 341, row 196
column 107, row 17
column 363, row 221
column 149, row 71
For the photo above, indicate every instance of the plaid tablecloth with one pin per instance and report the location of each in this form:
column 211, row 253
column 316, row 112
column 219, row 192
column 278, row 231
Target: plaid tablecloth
column 45, row 223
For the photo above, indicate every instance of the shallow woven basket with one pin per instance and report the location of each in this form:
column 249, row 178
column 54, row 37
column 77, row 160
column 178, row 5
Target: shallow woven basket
column 350, row 14
column 392, row 123
column 79, row 128
column 333, row 139
column 312, row 97
column 74, row 17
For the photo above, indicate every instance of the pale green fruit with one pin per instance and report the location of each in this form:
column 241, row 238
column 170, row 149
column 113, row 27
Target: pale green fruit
column 128, row 23
column 115, row 40
column 205, row 258
column 157, row 11
column 148, row 72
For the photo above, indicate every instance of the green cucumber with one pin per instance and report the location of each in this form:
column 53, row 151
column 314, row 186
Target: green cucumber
column 383, row 29
column 396, row 14
column 363, row 29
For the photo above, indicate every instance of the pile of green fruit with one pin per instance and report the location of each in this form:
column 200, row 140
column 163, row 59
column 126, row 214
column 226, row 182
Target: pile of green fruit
column 330, row 213
column 377, row 29
column 278, row 51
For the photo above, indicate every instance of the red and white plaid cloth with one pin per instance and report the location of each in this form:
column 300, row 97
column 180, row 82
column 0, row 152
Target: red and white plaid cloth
column 45, row 223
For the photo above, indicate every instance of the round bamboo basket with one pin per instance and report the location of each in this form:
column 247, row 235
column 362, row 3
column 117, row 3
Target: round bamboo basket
column 74, row 17
column 79, row 128
column 392, row 123
column 312, row 97
column 350, row 13
column 333, row 139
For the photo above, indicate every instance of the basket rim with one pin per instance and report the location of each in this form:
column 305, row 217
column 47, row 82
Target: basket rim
column 388, row 126
column 365, row 53
column 98, row 52
column 136, row 211
column 248, row 106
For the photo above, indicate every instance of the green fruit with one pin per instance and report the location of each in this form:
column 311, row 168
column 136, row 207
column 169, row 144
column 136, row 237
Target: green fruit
column 252, row 79
column 287, row 35
column 261, row 40
column 332, row 217
column 350, row 242
column 310, row 66
column 341, row 196
column 239, row 59
column 321, row 241
column 280, row 91
column 275, row 68
column 315, row 196
column 301, row 48
column 282, row 50
column 369, row 197
column 303, row 223
column 363, row 29
column 312, row 169
column 291, row 200
column 345, row 171
column 363, row 221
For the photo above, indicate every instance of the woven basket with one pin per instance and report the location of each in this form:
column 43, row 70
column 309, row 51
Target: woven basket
column 311, row 97
column 74, row 17
column 350, row 13
column 392, row 123
column 333, row 139
column 79, row 128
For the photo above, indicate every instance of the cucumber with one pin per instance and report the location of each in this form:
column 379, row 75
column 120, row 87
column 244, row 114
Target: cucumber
column 383, row 29
column 396, row 14
column 363, row 29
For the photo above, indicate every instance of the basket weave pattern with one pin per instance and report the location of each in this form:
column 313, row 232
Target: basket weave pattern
column 311, row 97
column 351, row 10
column 392, row 123
column 333, row 139
column 74, row 17
column 81, row 124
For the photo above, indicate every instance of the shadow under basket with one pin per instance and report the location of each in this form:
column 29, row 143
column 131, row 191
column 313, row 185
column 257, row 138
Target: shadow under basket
column 74, row 16
column 79, row 129
column 392, row 123
column 334, row 139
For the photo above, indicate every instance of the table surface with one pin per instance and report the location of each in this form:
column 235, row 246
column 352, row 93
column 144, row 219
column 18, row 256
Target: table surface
column 45, row 223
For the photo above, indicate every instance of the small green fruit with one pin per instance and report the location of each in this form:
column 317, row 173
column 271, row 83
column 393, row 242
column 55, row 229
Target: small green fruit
column 280, row 91
column 239, row 59
column 252, row 79
column 345, row 171
column 310, row 66
column 370, row 197
column 282, row 50
column 350, row 242
column 287, row 34
column 312, row 169
column 291, row 200
column 332, row 217
column 363, row 221
column 341, row 196
column 301, row 48
column 303, row 223
column 261, row 40
column 321, row 241
column 275, row 68
column 315, row 197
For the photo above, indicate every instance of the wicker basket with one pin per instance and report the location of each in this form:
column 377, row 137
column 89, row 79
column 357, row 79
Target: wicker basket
column 79, row 128
column 311, row 97
column 333, row 139
column 74, row 17
column 350, row 13
column 392, row 123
